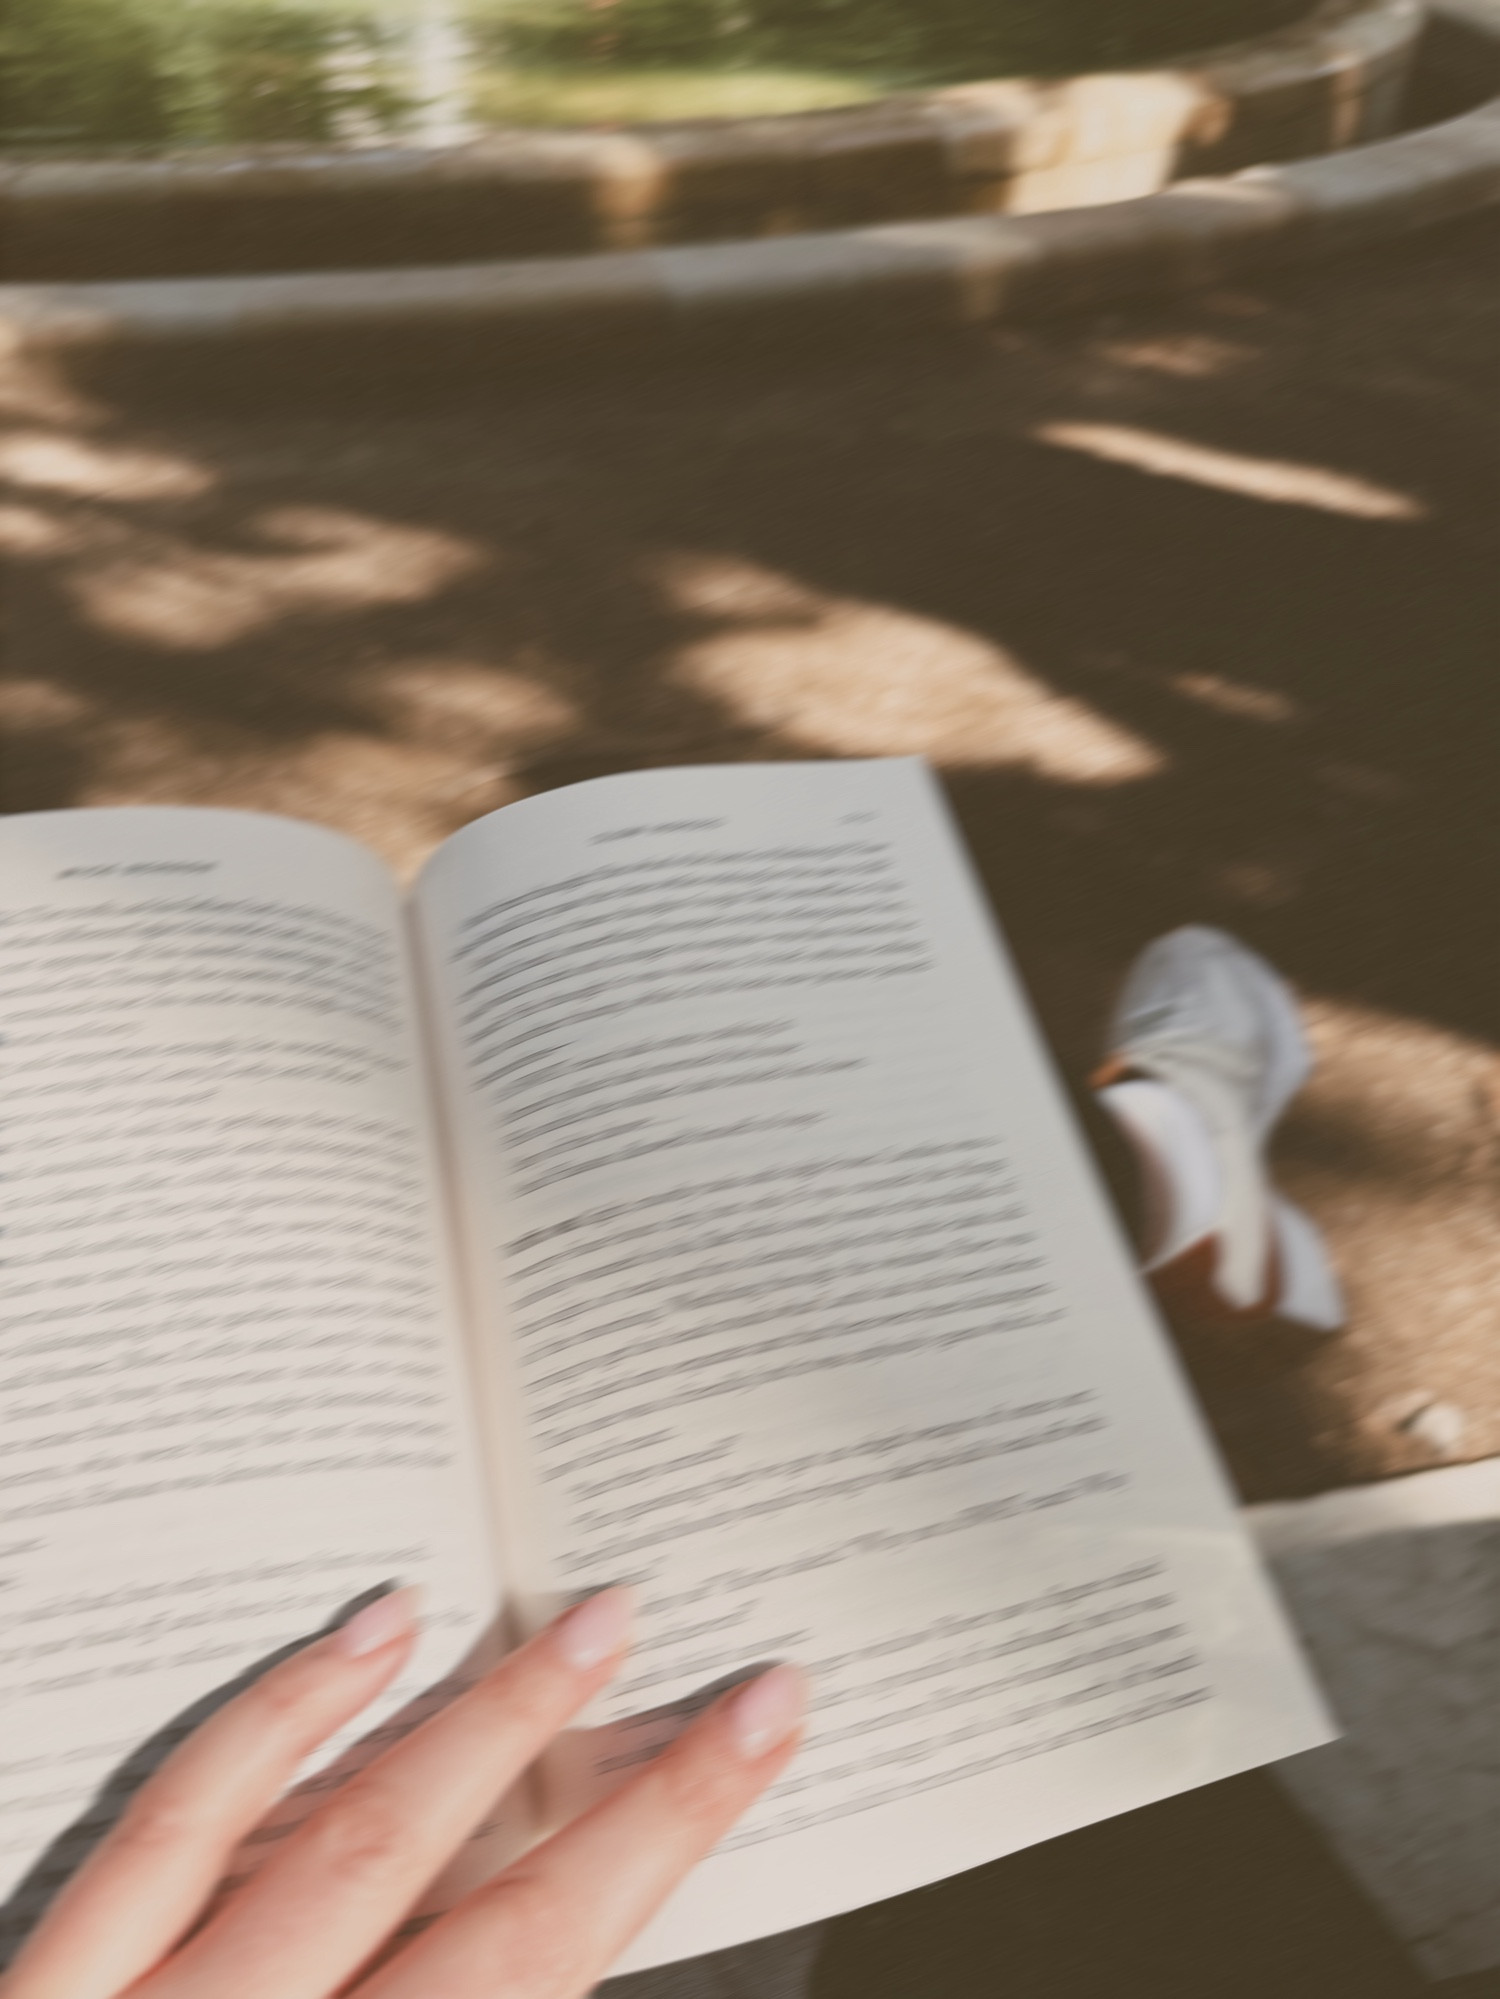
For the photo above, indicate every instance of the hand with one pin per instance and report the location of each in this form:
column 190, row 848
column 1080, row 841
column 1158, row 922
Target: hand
column 321, row 1907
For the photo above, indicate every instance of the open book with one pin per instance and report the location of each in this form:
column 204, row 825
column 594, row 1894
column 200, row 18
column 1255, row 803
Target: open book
column 674, row 1189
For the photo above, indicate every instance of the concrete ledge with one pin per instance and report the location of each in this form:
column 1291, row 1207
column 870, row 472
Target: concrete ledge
column 1395, row 1590
column 1016, row 146
column 960, row 271
column 1457, row 62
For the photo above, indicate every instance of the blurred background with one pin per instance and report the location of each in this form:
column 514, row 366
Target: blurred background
column 90, row 74
column 1188, row 593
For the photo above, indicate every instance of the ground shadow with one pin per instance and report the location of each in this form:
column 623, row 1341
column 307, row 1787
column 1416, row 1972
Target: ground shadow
column 1193, row 605
column 1224, row 1890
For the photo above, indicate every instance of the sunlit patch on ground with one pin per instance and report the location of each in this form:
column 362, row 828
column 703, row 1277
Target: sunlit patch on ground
column 28, row 532
column 167, row 591
column 847, row 678
column 1278, row 481
column 1191, row 356
column 54, row 462
column 454, row 704
column 1396, row 1147
column 27, row 705
column 400, row 799
column 1234, row 697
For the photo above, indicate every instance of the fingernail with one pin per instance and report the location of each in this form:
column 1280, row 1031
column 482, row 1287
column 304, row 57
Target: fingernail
column 767, row 1711
column 380, row 1623
column 595, row 1630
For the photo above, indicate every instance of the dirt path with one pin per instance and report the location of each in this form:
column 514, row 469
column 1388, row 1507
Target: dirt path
column 1194, row 606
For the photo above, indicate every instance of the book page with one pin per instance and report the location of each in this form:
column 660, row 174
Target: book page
column 230, row 1386
column 793, row 1262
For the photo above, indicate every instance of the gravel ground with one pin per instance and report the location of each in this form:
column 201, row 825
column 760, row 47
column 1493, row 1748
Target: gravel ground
column 1193, row 605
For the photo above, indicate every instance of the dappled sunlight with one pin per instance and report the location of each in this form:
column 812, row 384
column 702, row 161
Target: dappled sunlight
column 459, row 704
column 34, row 388
column 1098, row 137
column 1395, row 1148
column 1259, row 884
column 842, row 676
column 1362, row 782
column 398, row 798
column 1234, row 697
column 1248, row 189
column 1278, row 481
column 29, row 705
column 1401, row 1101
column 166, row 591
column 1187, row 356
column 29, row 534
column 50, row 461
column 1166, row 680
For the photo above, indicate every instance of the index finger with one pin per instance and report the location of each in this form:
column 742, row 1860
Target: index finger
column 148, row 1880
column 333, row 1891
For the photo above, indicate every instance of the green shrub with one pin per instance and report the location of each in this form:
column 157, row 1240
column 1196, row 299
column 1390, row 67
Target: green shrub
column 149, row 72
column 81, row 70
column 80, row 74
column 915, row 39
column 274, row 73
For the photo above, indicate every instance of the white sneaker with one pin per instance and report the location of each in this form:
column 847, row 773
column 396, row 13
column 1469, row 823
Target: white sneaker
column 1207, row 1052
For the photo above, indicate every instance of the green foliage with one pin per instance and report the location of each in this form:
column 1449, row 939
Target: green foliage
column 81, row 74
column 612, row 94
column 261, row 74
column 150, row 72
column 81, row 69
column 912, row 39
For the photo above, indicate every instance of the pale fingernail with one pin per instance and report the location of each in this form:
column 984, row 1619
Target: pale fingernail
column 380, row 1623
column 767, row 1711
column 595, row 1630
